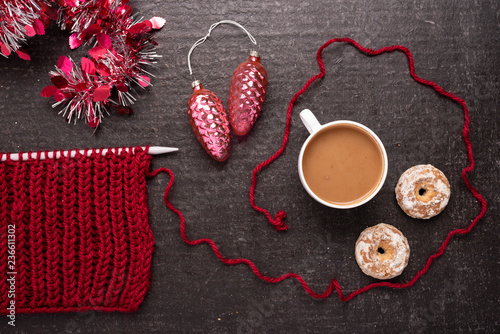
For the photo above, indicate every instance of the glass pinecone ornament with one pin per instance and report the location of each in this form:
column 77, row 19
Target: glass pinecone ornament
column 247, row 93
column 209, row 121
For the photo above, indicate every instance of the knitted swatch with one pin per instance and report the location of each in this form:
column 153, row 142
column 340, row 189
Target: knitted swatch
column 82, row 238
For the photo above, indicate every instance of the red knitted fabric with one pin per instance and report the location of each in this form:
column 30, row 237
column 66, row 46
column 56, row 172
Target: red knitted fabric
column 82, row 238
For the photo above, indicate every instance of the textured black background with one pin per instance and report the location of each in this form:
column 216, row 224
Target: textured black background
column 454, row 43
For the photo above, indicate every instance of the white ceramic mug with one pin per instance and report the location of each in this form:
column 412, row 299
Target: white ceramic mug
column 314, row 127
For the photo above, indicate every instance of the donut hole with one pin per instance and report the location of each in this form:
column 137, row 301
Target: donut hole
column 424, row 191
column 384, row 250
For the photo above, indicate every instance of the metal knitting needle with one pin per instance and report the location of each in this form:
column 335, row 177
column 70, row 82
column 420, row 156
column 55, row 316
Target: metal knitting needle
column 153, row 150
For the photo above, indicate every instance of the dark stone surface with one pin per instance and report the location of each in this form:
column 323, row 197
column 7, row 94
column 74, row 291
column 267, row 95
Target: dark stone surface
column 454, row 43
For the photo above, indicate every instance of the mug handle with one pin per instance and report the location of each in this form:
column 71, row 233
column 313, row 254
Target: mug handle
column 310, row 122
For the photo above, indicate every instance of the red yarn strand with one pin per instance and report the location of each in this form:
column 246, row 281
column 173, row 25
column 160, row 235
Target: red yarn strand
column 69, row 249
column 277, row 221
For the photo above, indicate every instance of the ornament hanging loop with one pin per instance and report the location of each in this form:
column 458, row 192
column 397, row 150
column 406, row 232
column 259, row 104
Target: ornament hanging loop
column 212, row 27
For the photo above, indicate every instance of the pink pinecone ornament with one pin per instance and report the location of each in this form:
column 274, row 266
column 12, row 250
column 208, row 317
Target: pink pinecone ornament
column 209, row 121
column 247, row 93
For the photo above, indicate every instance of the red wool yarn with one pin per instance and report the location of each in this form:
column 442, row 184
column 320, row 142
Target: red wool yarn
column 82, row 238
column 278, row 222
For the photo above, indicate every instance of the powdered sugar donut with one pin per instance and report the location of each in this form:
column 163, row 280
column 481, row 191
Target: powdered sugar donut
column 382, row 251
column 423, row 191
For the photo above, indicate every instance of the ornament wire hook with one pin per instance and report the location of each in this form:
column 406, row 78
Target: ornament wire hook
column 212, row 27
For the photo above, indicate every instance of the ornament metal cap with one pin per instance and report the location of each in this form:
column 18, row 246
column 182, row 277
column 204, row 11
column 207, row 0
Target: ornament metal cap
column 254, row 53
column 195, row 83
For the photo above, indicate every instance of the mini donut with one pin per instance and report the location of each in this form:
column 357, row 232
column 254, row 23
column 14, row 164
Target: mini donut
column 382, row 251
column 423, row 191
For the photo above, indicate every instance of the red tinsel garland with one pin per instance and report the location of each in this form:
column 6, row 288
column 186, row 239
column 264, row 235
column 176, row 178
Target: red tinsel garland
column 121, row 47
column 20, row 19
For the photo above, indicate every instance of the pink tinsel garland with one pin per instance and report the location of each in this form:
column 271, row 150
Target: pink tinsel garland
column 120, row 48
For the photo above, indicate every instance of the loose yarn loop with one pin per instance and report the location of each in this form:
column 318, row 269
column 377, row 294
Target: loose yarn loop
column 278, row 220
column 80, row 230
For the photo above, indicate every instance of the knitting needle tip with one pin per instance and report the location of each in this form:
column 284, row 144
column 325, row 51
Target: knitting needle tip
column 154, row 150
